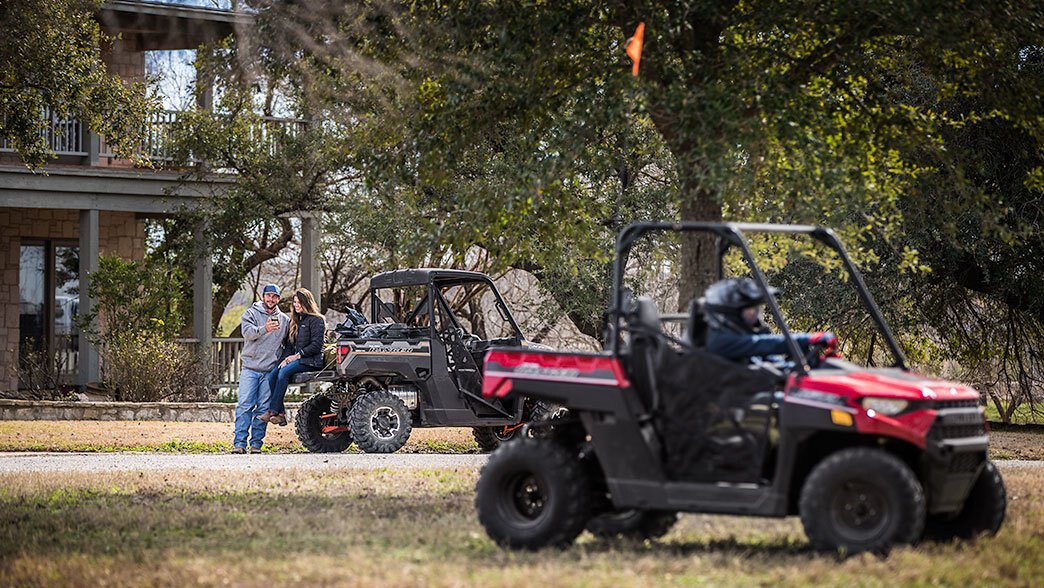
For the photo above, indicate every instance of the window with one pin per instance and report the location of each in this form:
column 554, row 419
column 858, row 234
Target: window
column 49, row 300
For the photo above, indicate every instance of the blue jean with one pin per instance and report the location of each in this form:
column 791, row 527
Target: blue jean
column 282, row 382
column 255, row 388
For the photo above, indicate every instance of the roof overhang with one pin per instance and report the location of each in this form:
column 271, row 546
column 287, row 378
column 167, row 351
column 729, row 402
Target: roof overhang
column 158, row 26
column 148, row 192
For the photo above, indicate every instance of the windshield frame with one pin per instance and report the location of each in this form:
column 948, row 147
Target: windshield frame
column 733, row 234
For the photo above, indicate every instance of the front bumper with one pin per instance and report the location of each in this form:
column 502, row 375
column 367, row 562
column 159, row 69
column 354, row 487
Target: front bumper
column 955, row 453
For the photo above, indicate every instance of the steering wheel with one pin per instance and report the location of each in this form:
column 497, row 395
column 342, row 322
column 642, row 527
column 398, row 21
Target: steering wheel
column 468, row 339
column 818, row 353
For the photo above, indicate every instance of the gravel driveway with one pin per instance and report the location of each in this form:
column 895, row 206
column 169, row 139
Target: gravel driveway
column 116, row 462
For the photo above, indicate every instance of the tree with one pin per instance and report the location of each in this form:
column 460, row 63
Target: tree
column 741, row 94
column 50, row 57
column 516, row 128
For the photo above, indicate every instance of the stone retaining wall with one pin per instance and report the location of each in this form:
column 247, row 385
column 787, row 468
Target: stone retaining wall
column 43, row 410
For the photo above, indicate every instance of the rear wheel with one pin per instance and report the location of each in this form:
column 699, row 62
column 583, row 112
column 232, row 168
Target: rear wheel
column 982, row 513
column 633, row 524
column 532, row 494
column 380, row 422
column 861, row 499
column 318, row 429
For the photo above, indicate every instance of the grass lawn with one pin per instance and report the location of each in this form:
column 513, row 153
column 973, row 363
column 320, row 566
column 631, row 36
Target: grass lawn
column 407, row 528
column 165, row 436
column 217, row 437
column 1024, row 414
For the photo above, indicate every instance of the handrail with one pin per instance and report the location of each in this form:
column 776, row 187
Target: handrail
column 66, row 135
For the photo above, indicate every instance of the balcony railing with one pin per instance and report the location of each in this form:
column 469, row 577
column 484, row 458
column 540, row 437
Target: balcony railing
column 66, row 135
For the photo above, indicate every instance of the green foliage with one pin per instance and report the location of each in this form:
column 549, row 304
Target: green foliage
column 515, row 127
column 130, row 298
column 146, row 366
column 136, row 317
column 50, row 57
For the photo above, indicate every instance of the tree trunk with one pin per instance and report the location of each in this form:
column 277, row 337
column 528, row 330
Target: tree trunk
column 699, row 263
column 1004, row 415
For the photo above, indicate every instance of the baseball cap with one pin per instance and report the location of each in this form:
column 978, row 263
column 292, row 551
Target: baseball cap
column 270, row 288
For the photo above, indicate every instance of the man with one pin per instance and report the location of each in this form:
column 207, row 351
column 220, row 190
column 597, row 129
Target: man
column 264, row 327
column 734, row 310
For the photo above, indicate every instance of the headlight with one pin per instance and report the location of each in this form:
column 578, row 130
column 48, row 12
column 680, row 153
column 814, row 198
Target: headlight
column 885, row 406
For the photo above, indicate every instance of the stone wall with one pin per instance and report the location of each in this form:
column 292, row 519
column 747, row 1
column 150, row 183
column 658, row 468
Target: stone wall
column 207, row 412
column 119, row 233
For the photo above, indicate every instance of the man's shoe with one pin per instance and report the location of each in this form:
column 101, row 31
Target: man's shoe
column 279, row 419
column 255, row 450
column 267, row 416
column 239, row 450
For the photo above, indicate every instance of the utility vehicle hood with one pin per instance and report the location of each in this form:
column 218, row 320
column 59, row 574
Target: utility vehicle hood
column 856, row 381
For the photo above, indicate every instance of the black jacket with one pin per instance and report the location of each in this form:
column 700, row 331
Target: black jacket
column 309, row 341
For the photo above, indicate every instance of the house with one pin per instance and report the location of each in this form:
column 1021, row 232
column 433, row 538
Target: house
column 54, row 225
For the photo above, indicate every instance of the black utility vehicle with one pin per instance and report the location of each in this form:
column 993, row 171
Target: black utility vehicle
column 868, row 457
column 416, row 364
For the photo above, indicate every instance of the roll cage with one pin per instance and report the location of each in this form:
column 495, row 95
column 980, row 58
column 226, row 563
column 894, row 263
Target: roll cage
column 434, row 281
column 733, row 235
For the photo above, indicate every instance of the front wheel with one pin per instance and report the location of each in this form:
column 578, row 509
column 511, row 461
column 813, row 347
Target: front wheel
column 380, row 422
column 532, row 494
column 489, row 438
column 318, row 429
column 635, row 524
column 861, row 499
column 982, row 513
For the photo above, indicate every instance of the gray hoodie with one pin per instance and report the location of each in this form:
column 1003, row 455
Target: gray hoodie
column 261, row 349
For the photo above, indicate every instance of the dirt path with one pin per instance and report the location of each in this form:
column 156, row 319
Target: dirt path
column 125, row 461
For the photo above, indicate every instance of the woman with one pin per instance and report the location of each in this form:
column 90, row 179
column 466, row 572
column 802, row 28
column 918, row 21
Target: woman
column 302, row 351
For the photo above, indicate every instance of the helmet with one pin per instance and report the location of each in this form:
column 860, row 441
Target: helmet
column 723, row 301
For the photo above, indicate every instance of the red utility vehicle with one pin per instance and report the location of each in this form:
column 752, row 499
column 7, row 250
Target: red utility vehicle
column 867, row 457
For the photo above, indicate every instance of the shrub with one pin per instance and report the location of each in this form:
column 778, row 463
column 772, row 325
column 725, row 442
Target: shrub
column 40, row 374
column 133, row 297
column 135, row 325
column 146, row 367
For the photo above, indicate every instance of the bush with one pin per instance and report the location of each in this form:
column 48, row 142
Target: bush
column 40, row 374
column 148, row 367
column 133, row 297
column 135, row 324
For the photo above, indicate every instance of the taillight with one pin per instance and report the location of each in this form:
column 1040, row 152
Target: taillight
column 342, row 352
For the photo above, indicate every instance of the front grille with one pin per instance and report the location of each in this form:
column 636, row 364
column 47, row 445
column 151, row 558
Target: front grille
column 940, row 431
column 965, row 463
column 957, row 425
column 946, row 404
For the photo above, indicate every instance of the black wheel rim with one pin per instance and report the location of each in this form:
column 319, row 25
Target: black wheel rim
column 500, row 435
column 385, row 422
column 859, row 510
column 524, row 501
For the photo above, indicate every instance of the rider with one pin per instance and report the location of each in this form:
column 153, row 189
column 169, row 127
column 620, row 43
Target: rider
column 734, row 310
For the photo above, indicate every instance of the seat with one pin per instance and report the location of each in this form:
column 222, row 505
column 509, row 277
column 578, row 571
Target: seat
column 647, row 315
column 696, row 330
column 647, row 349
column 317, row 376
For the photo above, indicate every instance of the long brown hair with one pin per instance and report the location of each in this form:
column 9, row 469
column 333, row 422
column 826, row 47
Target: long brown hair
column 308, row 306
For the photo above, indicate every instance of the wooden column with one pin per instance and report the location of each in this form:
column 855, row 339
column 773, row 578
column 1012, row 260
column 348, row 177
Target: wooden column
column 310, row 277
column 88, row 360
column 203, row 293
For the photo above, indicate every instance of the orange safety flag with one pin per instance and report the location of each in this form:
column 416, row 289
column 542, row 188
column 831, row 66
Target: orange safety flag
column 634, row 47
